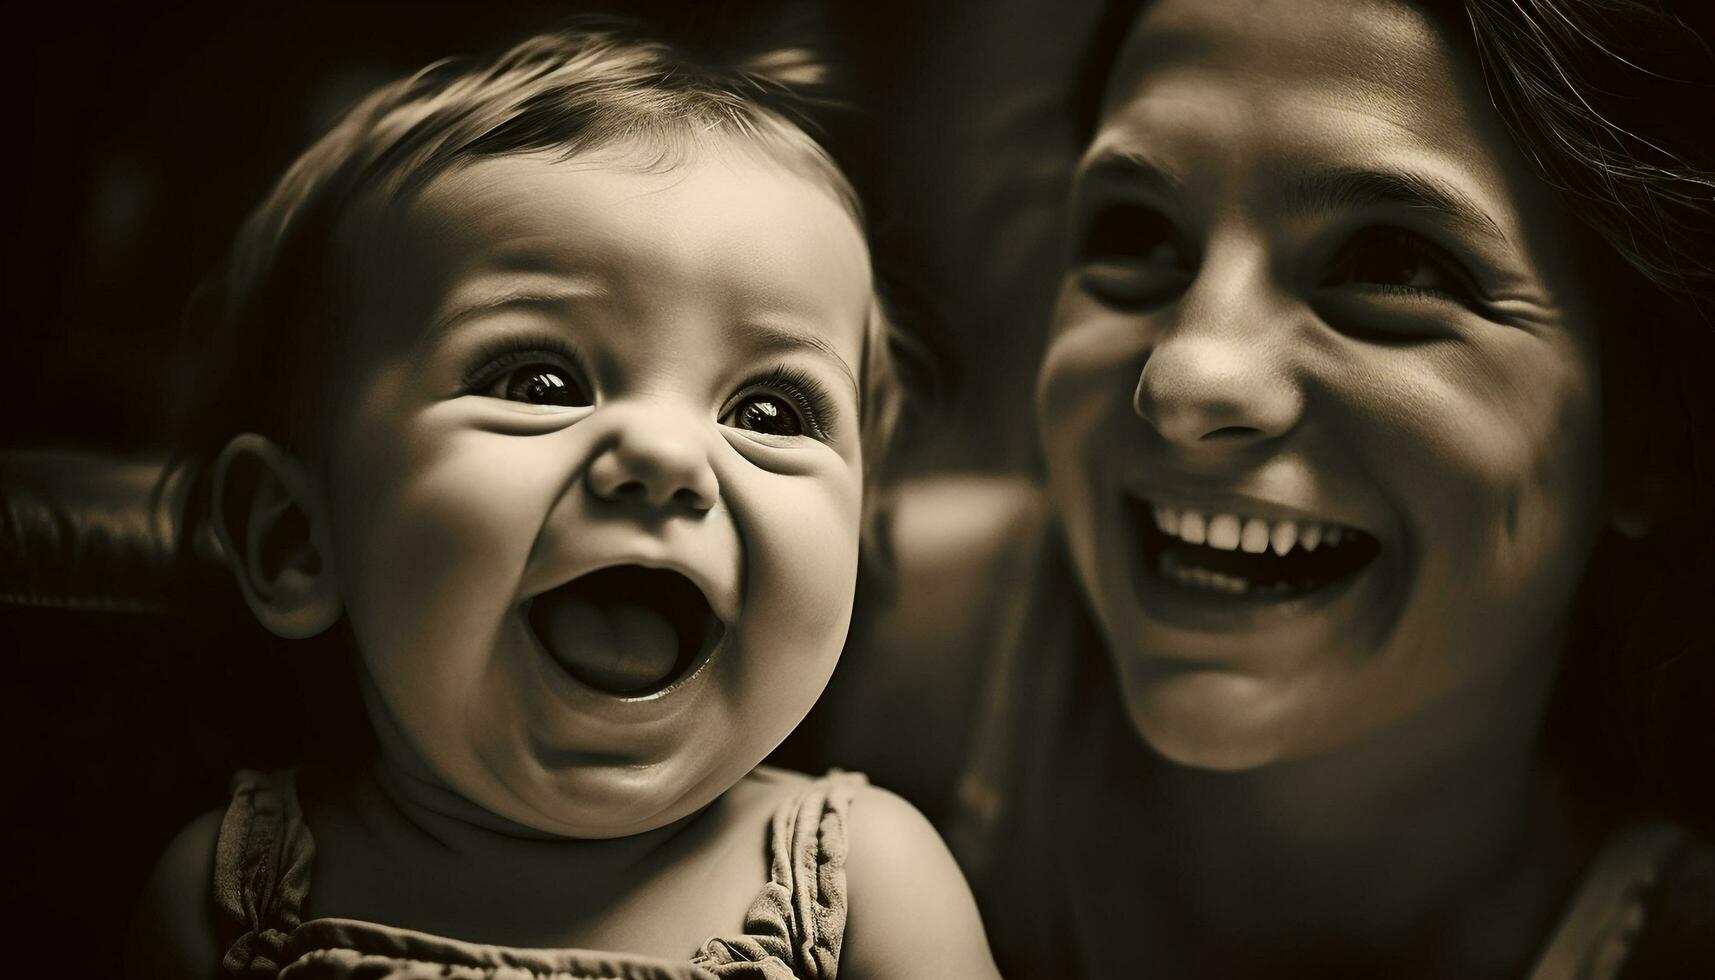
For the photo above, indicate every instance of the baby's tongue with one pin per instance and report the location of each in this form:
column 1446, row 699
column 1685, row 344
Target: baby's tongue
column 620, row 647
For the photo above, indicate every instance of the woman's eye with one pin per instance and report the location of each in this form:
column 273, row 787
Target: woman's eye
column 767, row 414
column 1398, row 261
column 1133, row 254
column 543, row 384
column 1131, row 232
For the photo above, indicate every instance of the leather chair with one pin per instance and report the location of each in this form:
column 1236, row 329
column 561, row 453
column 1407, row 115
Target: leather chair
column 137, row 683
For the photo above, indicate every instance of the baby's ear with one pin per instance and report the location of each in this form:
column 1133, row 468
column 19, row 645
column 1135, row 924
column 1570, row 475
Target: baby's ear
column 270, row 524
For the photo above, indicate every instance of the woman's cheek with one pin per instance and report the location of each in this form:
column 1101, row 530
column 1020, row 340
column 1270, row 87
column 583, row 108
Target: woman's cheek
column 1083, row 406
column 1490, row 455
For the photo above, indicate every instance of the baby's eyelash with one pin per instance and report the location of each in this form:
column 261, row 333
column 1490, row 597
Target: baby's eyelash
column 807, row 391
column 501, row 354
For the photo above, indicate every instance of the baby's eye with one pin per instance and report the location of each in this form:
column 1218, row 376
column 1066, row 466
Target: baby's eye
column 786, row 402
column 768, row 414
column 542, row 384
column 1397, row 261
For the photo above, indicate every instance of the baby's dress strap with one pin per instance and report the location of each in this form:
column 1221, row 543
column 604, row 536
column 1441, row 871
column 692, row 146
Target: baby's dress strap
column 796, row 925
column 261, row 872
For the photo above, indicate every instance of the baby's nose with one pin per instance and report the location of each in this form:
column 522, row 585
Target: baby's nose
column 657, row 457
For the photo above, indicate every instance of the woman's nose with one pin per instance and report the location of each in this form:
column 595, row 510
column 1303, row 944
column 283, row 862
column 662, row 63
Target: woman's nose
column 654, row 457
column 1222, row 372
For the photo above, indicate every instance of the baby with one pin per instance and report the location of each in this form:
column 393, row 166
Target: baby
column 557, row 379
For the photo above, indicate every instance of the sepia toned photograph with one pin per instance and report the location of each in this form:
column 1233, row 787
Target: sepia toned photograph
column 799, row 489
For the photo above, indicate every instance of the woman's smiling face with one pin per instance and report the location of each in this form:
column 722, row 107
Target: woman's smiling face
column 1320, row 406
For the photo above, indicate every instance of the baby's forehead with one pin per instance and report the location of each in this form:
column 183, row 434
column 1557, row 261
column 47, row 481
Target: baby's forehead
column 720, row 164
column 729, row 227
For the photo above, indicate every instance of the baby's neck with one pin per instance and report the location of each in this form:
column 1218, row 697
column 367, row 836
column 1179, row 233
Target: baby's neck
column 449, row 820
column 394, row 848
column 422, row 820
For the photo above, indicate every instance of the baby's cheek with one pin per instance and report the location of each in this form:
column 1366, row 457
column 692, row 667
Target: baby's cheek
column 433, row 530
column 801, row 569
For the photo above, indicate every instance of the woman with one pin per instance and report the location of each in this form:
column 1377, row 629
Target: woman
column 1370, row 420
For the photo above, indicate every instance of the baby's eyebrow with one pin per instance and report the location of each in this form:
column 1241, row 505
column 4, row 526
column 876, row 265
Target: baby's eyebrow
column 767, row 338
column 553, row 300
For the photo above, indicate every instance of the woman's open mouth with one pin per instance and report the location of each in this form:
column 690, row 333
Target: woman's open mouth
column 1245, row 556
column 626, row 630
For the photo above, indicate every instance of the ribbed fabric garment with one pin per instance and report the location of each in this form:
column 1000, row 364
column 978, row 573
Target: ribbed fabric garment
column 793, row 930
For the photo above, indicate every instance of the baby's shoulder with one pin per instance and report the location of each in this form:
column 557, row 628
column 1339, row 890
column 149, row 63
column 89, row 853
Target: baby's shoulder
column 173, row 933
column 909, row 911
column 889, row 842
column 797, row 805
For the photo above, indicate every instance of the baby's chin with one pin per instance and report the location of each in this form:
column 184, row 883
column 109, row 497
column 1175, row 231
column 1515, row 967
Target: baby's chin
column 598, row 798
column 499, row 786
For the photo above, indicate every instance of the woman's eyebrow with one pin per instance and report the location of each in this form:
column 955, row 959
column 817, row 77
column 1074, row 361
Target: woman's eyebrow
column 1128, row 169
column 1324, row 190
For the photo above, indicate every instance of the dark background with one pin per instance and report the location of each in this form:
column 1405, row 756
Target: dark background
column 150, row 133
column 145, row 137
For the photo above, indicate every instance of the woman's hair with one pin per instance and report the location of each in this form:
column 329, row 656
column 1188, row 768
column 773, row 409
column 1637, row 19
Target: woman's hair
column 1610, row 101
column 268, row 321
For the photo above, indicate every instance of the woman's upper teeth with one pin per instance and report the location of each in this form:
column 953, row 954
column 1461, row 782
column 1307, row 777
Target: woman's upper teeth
column 1230, row 532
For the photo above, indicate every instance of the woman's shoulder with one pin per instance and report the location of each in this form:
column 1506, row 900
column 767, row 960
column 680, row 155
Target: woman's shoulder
column 173, row 933
column 958, row 536
column 1642, row 909
column 1677, row 937
column 969, row 553
column 901, row 707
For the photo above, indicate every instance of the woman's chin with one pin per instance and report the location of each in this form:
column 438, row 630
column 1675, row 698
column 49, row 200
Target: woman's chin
column 1215, row 720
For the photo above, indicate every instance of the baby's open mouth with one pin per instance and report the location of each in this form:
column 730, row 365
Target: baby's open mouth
column 1240, row 555
column 626, row 630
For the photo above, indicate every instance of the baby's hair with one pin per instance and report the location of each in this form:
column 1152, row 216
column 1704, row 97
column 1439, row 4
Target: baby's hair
column 271, row 317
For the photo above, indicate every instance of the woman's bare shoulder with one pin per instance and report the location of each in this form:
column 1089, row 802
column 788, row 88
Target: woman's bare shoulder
column 963, row 546
column 907, row 693
column 173, row 932
column 960, row 517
